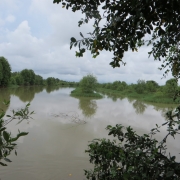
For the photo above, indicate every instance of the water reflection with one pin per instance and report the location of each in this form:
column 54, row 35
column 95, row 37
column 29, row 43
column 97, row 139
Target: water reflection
column 163, row 110
column 130, row 100
column 26, row 94
column 4, row 95
column 139, row 107
column 54, row 147
column 50, row 89
column 88, row 106
column 112, row 96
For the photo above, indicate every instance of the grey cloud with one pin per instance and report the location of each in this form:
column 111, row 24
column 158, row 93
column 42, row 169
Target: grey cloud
column 51, row 55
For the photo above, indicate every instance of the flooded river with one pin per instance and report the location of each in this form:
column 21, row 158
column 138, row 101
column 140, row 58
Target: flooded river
column 61, row 127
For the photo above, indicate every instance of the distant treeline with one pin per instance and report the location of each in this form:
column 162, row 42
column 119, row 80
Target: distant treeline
column 26, row 77
column 146, row 90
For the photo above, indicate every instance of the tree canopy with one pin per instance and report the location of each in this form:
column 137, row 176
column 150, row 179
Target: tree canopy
column 28, row 76
column 5, row 71
column 122, row 25
column 88, row 83
column 171, row 87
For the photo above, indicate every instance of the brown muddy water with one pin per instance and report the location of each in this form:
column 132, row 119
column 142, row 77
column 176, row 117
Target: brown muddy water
column 62, row 126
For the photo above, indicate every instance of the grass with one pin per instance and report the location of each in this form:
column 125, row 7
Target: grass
column 155, row 97
column 78, row 93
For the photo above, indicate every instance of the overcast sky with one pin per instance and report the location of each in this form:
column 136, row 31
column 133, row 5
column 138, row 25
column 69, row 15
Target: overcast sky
column 35, row 34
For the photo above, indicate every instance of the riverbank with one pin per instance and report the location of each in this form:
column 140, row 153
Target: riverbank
column 154, row 97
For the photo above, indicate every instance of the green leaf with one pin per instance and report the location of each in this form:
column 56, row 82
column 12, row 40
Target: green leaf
column 164, row 123
column 6, row 102
column 19, row 135
column 81, row 35
column 73, row 39
column 2, row 129
column 3, row 164
column 169, row 173
column 2, row 115
column 148, row 31
column 7, row 160
column 23, row 134
column 6, row 136
column 27, row 105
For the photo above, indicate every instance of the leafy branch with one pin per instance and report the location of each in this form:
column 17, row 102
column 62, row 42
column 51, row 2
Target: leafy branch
column 134, row 156
column 7, row 141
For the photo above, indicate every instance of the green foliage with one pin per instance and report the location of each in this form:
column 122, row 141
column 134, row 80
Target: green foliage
column 171, row 87
column 88, row 84
column 141, row 86
column 51, row 81
column 120, row 26
column 38, row 80
column 19, row 79
column 132, row 156
column 7, row 141
column 5, row 72
column 13, row 81
column 156, row 97
column 108, row 86
column 115, row 84
column 28, row 76
column 151, row 86
column 1, row 72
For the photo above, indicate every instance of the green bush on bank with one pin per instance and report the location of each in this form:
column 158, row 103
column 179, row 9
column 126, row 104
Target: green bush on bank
column 79, row 93
column 155, row 97
column 87, row 87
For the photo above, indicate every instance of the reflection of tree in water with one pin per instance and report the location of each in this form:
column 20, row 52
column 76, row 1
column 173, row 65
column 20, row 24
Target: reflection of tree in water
column 88, row 106
column 38, row 89
column 26, row 94
column 50, row 89
column 130, row 100
column 112, row 96
column 4, row 95
column 163, row 109
column 139, row 106
column 121, row 97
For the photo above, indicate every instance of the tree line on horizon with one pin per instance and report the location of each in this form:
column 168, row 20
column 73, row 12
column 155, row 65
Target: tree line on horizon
column 26, row 77
column 142, row 87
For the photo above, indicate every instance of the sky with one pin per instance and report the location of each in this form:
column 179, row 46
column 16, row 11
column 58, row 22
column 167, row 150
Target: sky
column 35, row 34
